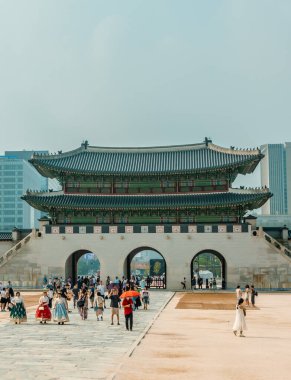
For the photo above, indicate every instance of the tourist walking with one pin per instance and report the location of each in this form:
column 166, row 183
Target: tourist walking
column 75, row 291
column 50, row 295
column 101, row 290
column 247, row 295
column 3, row 299
column 98, row 305
column 193, row 283
column 43, row 313
column 60, row 310
column 91, row 294
column 82, row 304
column 114, row 304
column 238, row 293
column 142, row 284
column 128, row 313
column 18, row 310
column 254, row 293
column 145, row 296
column 200, row 282
column 183, row 283
column 240, row 323
column 214, row 284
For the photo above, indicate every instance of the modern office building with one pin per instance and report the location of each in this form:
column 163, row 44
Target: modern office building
column 276, row 175
column 16, row 176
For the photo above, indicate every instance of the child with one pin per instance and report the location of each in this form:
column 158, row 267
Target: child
column 145, row 296
column 98, row 306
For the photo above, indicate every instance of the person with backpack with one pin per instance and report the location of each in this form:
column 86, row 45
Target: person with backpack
column 82, row 304
column 114, row 304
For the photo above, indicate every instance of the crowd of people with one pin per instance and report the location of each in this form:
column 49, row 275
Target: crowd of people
column 198, row 282
column 90, row 293
column 59, row 296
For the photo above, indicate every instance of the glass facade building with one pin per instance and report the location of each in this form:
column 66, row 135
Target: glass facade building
column 16, row 176
column 276, row 175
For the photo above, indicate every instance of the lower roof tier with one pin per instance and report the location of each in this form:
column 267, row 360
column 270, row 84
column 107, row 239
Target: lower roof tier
column 247, row 200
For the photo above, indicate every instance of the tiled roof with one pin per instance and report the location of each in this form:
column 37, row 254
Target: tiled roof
column 45, row 202
column 155, row 160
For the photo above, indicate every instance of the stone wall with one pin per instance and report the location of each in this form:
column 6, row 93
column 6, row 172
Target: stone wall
column 249, row 259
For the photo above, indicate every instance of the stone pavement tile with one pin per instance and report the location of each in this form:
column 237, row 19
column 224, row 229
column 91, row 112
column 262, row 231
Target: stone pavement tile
column 80, row 349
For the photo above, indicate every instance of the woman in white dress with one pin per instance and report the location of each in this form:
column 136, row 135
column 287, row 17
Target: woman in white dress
column 240, row 322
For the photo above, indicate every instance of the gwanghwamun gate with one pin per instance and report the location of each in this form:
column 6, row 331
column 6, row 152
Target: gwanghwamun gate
column 177, row 201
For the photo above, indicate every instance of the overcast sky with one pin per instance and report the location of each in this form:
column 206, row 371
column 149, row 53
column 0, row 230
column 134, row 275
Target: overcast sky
column 142, row 73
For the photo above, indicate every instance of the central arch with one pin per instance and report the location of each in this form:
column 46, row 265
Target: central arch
column 71, row 266
column 152, row 263
column 209, row 264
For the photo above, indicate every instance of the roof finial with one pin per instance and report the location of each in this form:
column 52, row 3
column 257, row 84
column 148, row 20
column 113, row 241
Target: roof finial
column 207, row 140
column 85, row 144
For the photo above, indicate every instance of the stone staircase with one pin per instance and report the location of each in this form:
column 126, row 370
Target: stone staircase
column 15, row 250
column 280, row 248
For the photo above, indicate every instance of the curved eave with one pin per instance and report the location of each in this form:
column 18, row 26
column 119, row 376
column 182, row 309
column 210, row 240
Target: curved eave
column 166, row 160
column 245, row 166
column 142, row 202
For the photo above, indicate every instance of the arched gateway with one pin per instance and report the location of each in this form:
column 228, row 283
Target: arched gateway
column 210, row 267
column 147, row 263
column 151, row 196
column 71, row 266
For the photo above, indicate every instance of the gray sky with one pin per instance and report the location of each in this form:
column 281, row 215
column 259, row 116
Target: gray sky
column 142, row 73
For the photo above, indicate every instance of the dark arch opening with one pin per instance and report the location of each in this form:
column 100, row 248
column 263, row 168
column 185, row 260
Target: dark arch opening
column 152, row 264
column 211, row 265
column 71, row 266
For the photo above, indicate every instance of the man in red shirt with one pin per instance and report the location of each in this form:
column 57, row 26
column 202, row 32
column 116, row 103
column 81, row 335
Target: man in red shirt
column 127, row 305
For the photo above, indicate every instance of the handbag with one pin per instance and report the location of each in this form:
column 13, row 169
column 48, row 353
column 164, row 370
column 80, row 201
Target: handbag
column 81, row 303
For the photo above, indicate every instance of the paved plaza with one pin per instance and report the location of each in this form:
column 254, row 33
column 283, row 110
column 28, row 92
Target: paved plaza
column 78, row 350
column 199, row 344
column 191, row 338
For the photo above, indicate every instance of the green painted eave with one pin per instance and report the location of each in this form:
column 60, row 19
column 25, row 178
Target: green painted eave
column 51, row 201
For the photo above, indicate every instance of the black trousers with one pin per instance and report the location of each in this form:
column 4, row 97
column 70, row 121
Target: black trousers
column 129, row 317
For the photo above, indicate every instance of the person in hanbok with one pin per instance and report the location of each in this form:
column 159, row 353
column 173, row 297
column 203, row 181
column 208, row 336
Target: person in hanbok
column 18, row 310
column 82, row 304
column 240, row 322
column 60, row 310
column 98, row 305
column 43, row 313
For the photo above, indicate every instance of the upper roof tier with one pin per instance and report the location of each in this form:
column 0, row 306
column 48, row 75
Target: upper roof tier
column 176, row 159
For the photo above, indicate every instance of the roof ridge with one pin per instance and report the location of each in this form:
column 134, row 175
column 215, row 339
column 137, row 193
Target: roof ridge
column 232, row 150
